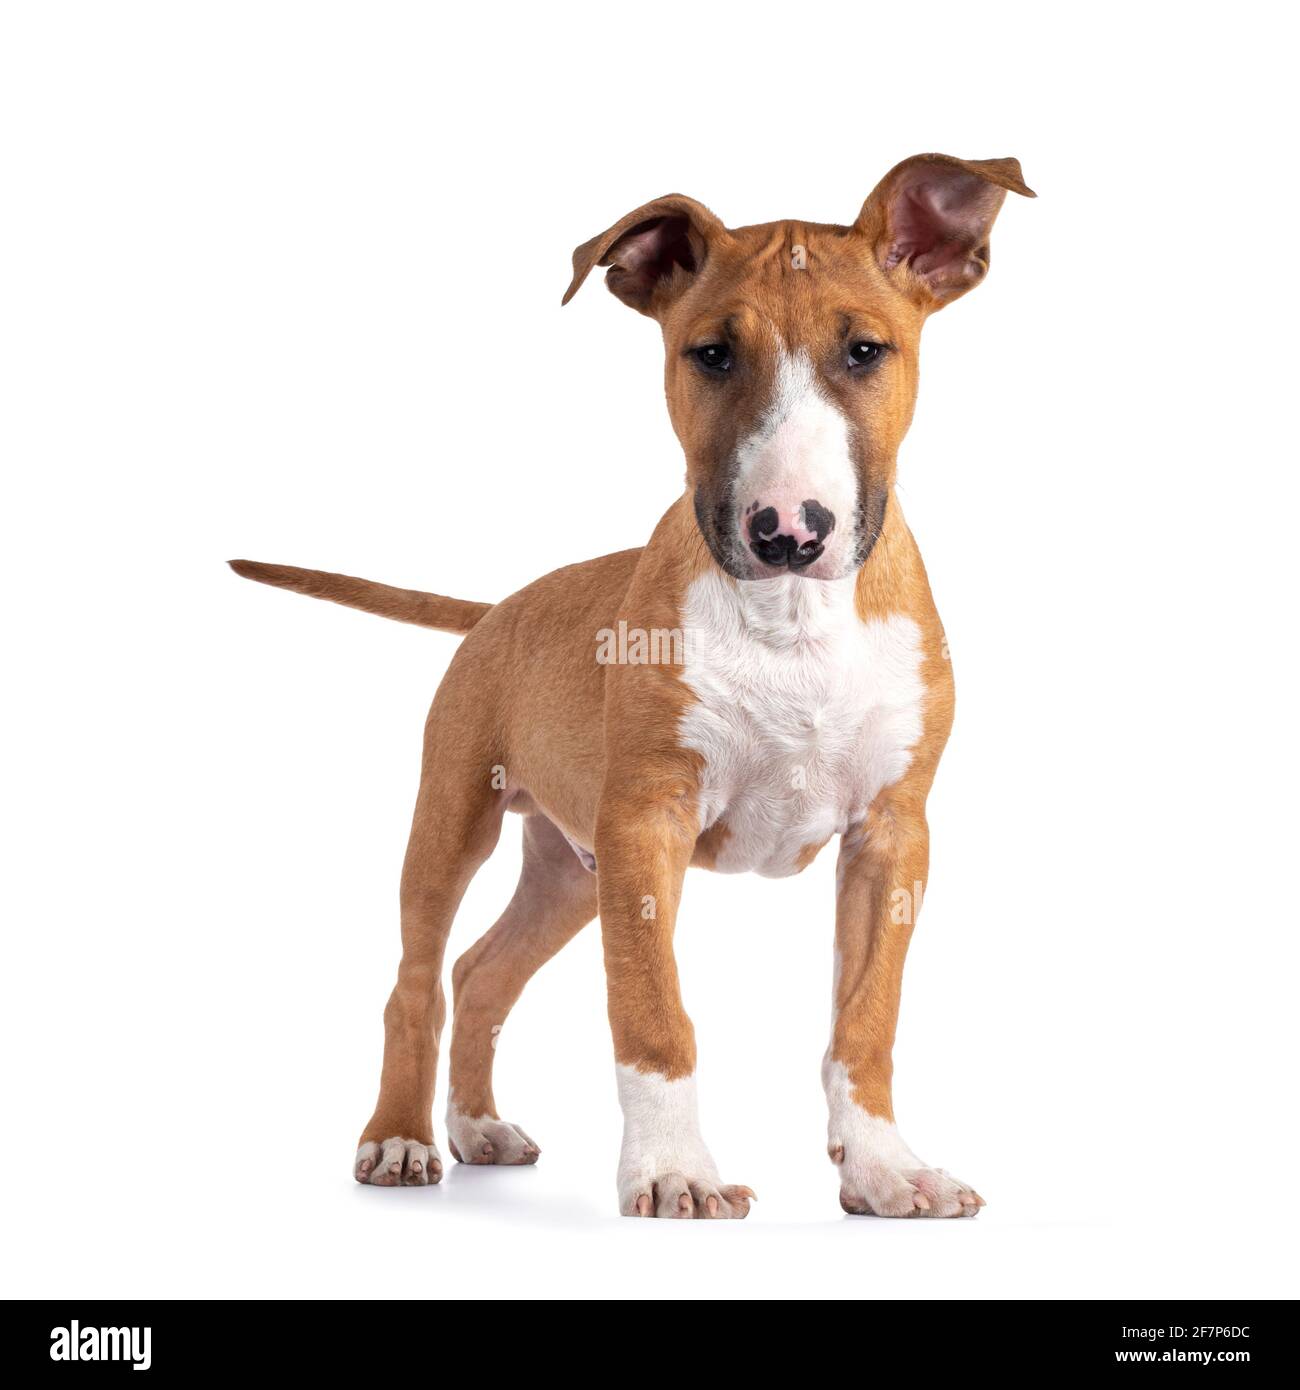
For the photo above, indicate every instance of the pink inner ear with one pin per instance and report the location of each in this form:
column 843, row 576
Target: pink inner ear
column 643, row 247
column 647, row 254
column 937, row 219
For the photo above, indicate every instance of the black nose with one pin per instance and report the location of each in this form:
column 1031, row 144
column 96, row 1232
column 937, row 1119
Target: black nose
column 781, row 550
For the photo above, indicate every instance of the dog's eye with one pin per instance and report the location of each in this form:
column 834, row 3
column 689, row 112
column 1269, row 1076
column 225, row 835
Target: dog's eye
column 715, row 356
column 865, row 354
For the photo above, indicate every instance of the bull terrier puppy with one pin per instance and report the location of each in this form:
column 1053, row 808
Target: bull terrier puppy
column 803, row 692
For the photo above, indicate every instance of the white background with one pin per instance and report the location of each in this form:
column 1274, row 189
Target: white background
column 283, row 281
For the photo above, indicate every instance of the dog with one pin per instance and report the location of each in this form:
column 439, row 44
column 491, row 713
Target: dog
column 767, row 673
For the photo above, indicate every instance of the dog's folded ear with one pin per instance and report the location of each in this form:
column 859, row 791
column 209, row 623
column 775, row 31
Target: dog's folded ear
column 652, row 253
column 929, row 219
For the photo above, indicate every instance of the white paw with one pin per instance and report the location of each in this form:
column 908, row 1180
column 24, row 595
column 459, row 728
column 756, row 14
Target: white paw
column 482, row 1139
column 397, row 1163
column 879, row 1174
column 665, row 1170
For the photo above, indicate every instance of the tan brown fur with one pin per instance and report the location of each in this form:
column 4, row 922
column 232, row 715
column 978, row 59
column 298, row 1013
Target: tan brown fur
column 402, row 605
column 555, row 899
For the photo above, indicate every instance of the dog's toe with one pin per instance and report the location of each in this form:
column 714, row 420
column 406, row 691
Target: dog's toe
column 483, row 1139
column 676, row 1197
column 673, row 1198
column 876, row 1189
column 946, row 1195
column 397, row 1163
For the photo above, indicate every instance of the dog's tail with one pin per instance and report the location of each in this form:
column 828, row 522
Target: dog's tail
column 402, row 605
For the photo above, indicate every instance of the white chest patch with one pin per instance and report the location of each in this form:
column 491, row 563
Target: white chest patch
column 804, row 714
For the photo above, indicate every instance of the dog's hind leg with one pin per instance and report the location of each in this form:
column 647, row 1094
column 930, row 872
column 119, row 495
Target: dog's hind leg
column 457, row 821
column 555, row 899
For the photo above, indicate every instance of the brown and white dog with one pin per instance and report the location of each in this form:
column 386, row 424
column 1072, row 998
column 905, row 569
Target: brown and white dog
column 768, row 672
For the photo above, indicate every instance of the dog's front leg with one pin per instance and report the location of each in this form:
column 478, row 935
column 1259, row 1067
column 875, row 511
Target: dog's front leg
column 642, row 849
column 882, row 870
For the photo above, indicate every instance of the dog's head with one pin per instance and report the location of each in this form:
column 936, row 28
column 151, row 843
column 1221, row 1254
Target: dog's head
column 791, row 364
